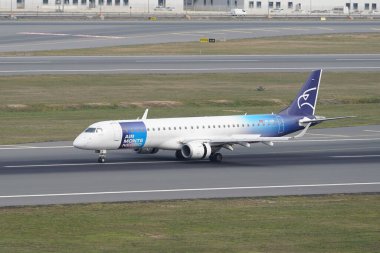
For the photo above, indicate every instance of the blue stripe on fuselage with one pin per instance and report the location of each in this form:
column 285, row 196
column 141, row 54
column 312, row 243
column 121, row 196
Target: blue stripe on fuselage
column 134, row 134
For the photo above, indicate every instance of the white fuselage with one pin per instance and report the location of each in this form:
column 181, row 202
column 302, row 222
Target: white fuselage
column 171, row 133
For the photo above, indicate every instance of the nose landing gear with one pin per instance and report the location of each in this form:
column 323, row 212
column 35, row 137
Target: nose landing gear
column 102, row 155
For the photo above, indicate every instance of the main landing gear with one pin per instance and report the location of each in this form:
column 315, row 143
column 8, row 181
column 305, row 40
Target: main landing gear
column 216, row 157
column 179, row 156
column 102, row 155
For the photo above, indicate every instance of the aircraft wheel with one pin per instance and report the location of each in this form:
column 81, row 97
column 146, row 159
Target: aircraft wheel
column 101, row 160
column 178, row 155
column 217, row 157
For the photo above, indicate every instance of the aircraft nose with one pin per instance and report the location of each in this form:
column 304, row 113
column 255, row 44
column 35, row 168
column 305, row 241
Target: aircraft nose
column 80, row 142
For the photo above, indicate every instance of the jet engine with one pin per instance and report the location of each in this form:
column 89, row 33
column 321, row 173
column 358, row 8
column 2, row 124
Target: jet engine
column 196, row 150
column 146, row 150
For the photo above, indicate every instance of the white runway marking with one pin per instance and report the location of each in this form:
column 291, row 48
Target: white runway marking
column 31, row 147
column 329, row 140
column 371, row 131
column 26, row 62
column 354, row 156
column 357, row 59
column 329, row 135
column 73, row 35
column 294, row 29
column 188, row 190
column 326, row 28
column 46, row 34
column 174, row 60
column 85, row 164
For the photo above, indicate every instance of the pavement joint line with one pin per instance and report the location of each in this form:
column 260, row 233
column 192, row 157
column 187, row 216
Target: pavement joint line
column 354, row 156
column 168, row 161
column 86, row 164
column 310, row 151
column 182, row 69
column 189, row 190
column 176, row 56
column 329, row 140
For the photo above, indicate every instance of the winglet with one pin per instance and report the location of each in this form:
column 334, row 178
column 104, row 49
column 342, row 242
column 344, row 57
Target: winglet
column 145, row 114
column 302, row 133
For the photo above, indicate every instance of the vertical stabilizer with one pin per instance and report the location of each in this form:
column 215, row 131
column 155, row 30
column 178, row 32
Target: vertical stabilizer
column 305, row 102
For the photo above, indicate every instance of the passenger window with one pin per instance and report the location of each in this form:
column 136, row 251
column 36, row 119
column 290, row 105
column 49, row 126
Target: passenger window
column 153, row 129
column 169, row 128
column 164, row 128
column 174, row 128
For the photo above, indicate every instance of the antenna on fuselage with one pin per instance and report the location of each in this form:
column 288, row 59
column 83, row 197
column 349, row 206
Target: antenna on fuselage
column 145, row 114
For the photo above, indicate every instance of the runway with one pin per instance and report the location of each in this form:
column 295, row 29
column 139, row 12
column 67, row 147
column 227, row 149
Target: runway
column 186, row 64
column 339, row 160
column 56, row 35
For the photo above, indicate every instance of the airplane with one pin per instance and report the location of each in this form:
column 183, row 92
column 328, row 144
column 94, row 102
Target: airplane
column 203, row 137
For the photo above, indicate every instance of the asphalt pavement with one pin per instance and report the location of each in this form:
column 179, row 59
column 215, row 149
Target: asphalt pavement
column 187, row 64
column 55, row 35
column 338, row 160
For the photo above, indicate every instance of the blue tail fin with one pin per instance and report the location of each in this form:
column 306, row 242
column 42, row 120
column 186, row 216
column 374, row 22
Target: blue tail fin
column 305, row 102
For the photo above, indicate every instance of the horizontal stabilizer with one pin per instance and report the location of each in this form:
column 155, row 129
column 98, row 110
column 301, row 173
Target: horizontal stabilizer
column 320, row 119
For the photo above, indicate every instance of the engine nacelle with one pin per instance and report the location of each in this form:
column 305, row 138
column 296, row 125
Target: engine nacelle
column 196, row 150
column 146, row 150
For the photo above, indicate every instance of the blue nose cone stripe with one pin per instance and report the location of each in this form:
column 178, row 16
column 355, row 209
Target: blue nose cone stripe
column 134, row 134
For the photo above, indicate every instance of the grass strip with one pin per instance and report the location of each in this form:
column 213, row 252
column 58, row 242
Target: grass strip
column 335, row 223
column 50, row 108
column 357, row 43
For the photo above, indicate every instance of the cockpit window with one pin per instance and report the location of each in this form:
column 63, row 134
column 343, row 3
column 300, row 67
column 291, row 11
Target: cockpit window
column 90, row 130
column 99, row 130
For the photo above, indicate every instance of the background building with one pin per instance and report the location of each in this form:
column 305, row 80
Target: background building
column 141, row 6
column 286, row 6
column 260, row 7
